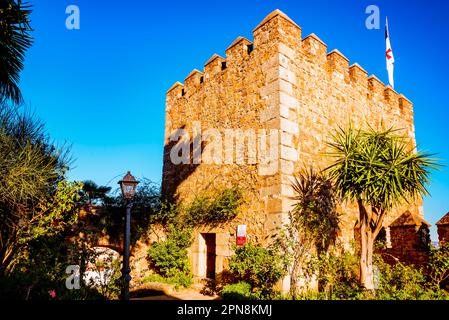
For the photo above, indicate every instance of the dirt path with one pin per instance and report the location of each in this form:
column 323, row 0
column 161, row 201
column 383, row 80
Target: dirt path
column 161, row 291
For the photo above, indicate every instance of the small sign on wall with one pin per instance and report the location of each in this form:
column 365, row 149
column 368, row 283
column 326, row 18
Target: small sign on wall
column 241, row 235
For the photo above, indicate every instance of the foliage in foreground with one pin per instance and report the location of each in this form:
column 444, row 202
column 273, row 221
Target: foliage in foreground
column 259, row 267
column 237, row 291
column 169, row 257
column 404, row 282
column 38, row 207
column 438, row 267
column 178, row 280
column 48, row 246
column 339, row 273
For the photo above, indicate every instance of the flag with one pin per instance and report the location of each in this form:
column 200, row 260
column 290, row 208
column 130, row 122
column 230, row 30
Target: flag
column 389, row 56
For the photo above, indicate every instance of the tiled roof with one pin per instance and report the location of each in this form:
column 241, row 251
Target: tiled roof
column 409, row 219
column 444, row 220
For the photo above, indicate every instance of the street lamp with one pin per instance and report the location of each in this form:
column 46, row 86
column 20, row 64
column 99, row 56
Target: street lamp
column 128, row 187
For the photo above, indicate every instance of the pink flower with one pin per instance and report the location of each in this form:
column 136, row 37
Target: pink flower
column 52, row 293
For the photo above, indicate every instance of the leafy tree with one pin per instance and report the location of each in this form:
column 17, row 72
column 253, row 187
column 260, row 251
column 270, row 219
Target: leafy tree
column 41, row 252
column 438, row 268
column 146, row 210
column 38, row 207
column 93, row 193
column 378, row 170
column 405, row 282
column 15, row 40
column 31, row 172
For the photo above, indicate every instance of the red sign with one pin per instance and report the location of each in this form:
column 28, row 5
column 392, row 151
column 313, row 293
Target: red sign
column 241, row 235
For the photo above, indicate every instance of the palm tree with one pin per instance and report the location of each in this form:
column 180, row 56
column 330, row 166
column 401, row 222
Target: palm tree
column 15, row 40
column 379, row 170
column 93, row 193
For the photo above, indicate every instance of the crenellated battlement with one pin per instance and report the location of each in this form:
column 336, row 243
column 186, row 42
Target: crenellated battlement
column 277, row 33
column 358, row 75
column 176, row 90
column 239, row 46
column 375, row 88
column 391, row 95
column 338, row 65
column 213, row 66
column 315, row 48
column 192, row 82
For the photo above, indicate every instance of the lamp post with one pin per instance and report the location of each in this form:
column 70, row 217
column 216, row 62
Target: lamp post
column 128, row 187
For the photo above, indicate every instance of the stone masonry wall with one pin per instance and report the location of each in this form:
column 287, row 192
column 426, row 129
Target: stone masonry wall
column 408, row 245
column 280, row 81
column 443, row 234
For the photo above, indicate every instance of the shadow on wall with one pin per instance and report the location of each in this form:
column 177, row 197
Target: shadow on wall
column 174, row 174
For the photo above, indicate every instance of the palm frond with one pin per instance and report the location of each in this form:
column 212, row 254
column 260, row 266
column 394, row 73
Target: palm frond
column 15, row 40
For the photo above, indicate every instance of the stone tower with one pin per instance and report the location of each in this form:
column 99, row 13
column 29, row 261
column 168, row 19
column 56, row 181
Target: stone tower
column 281, row 86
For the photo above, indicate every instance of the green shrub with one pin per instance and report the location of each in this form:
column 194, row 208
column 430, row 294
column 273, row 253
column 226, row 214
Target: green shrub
column 169, row 257
column 236, row 291
column 337, row 276
column 179, row 280
column 207, row 210
column 224, row 207
column 438, row 267
column 194, row 213
column 404, row 282
column 258, row 266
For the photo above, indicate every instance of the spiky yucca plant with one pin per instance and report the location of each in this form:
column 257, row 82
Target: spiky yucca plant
column 315, row 207
column 377, row 169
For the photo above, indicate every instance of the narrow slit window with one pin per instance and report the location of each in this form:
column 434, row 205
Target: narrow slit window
column 223, row 65
column 250, row 48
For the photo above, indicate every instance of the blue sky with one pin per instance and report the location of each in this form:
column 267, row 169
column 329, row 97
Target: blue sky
column 102, row 88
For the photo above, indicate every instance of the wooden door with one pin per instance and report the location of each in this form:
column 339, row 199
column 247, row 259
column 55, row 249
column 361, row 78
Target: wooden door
column 210, row 239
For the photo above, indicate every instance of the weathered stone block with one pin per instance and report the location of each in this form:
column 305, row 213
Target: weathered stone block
column 289, row 153
column 289, row 126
